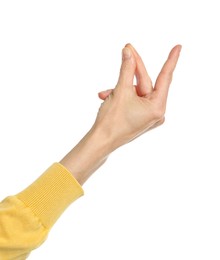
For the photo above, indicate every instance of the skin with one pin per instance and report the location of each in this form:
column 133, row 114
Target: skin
column 127, row 112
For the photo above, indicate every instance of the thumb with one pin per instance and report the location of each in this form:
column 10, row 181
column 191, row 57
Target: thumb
column 128, row 67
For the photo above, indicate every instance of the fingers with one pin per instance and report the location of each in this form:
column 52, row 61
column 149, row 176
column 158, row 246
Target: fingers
column 104, row 94
column 144, row 83
column 128, row 68
column 132, row 65
column 165, row 76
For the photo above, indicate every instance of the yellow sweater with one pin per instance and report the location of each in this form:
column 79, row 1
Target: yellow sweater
column 26, row 218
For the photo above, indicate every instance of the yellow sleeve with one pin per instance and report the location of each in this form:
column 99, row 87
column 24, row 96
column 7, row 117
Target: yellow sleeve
column 26, row 218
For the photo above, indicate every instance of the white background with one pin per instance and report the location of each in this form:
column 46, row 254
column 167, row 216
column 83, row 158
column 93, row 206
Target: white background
column 159, row 196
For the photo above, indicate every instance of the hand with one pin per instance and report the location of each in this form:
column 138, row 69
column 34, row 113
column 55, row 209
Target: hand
column 128, row 111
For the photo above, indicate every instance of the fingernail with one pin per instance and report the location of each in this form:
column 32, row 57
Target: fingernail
column 127, row 44
column 126, row 53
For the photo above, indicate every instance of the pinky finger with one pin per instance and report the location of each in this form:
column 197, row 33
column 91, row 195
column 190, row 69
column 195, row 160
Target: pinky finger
column 104, row 94
column 165, row 76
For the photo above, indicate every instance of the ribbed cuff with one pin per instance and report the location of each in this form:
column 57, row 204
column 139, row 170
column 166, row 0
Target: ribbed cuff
column 51, row 194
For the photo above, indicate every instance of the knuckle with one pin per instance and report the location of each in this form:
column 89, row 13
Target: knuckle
column 159, row 113
column 167, row 75
column 162, row 120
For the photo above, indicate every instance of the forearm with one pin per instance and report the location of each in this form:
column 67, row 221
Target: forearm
column 89, row 154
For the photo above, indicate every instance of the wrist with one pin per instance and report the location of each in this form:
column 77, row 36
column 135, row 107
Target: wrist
column 88, row 155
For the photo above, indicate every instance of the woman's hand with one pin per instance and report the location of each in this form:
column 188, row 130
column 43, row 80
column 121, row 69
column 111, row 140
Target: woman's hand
column 128, row 110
